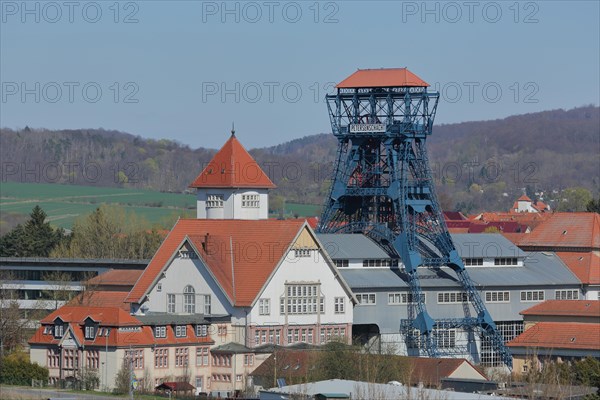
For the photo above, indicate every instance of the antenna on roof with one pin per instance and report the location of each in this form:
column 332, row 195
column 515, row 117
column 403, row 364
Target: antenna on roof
column 233, row 129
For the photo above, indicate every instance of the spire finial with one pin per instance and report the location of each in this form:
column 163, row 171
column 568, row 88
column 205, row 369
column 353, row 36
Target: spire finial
column 233, row 129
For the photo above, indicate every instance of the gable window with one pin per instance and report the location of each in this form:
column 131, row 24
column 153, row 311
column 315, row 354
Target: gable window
column 339, row 305
column 170, row 303
column 303, row 299
column 160, row 331
column 366, row 298
column 201, row 330
column 189, row 300
column 207, row 304
column 180, row 330
column 214, row 201
column 90, row 332
column 159, row 287
column 250, row 201
column 264, row 307
column 301, row 253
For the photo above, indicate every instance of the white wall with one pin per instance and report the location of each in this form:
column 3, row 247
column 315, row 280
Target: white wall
column 180, row 273
column 232, row 204
column 303, row 270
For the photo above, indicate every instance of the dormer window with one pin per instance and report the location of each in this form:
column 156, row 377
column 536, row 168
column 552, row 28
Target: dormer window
column 90, row 332
column 180, row 331
column 160, row 331
column 47, row 329
column 59, row 330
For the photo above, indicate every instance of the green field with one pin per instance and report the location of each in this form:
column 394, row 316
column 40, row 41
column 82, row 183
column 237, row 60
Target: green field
column 64, row 203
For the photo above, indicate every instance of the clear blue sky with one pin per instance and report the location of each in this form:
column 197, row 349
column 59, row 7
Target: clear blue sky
column 163, row 73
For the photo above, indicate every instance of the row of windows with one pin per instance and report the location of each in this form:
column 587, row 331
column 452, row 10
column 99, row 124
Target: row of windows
column 180, row 331
column 189, row 302
column 532, row 295
column 473, row 261
column 161, row 357
column 505, row 261
column 443, row 338
column 452, row 297
column 567, row 294
column 296, row 335
column 301, row 305
column 38, row 275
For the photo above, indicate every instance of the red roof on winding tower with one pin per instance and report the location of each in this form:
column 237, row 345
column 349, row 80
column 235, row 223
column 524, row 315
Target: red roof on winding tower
column 383, row 77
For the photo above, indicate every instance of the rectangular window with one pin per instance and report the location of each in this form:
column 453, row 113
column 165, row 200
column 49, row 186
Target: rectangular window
column 497, row 297
column 338, row 305
column 202, row 356
column 250, row 201
column 159, row 287
column 93, row 359
column 512, row 261
column 214, row 201
column 402, row 298
column 366, row 298
column 135, row 358
column 207, row 310
column 53, row 358
column 264, row 307
column 160, row 331
column 469, row 262
column 170, row 303
column 532, row 295
column 568, row 294
column 180, row 330
column 181, row 357
column 341, row 263
column 452, row 297
column 249, row 359
column 304, row 299
column 445, row 338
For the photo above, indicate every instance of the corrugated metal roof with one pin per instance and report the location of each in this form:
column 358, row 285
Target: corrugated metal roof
column 539, row 269
column 351, row 246
column 471, row 245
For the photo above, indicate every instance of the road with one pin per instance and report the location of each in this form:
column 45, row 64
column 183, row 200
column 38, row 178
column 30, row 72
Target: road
column 23, row 393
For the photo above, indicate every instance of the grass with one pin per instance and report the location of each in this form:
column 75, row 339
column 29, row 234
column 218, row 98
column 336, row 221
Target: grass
column 65, row 203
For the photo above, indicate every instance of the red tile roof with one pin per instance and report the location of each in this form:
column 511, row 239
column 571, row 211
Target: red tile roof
column 575, row 308
column 100, row 299
column 431, row 370
column 384, row 77
column 114, row 318
column 531, row 220
column 524, row 198
column 110, row 316
column 258, row 246
column 566, row 229
column 585, row 265
column 560, row 335
column 117, row 277
column 232, row 167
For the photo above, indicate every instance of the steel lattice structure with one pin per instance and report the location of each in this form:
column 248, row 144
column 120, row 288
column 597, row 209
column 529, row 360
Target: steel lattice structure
column 382, row 186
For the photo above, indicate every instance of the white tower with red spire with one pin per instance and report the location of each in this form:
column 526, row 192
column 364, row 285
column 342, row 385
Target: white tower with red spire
column 232, row 185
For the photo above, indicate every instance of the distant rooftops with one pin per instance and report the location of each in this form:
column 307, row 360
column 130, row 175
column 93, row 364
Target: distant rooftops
column 573, row 308
column 383, row 77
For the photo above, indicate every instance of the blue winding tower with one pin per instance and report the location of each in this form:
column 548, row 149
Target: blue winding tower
column 382, row 186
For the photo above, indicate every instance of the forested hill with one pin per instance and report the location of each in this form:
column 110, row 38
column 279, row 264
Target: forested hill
column 475, row 163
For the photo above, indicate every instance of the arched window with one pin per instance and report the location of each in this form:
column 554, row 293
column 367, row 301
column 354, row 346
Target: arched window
column 189, row 300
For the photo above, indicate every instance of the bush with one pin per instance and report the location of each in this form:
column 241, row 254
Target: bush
column 18, row 370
